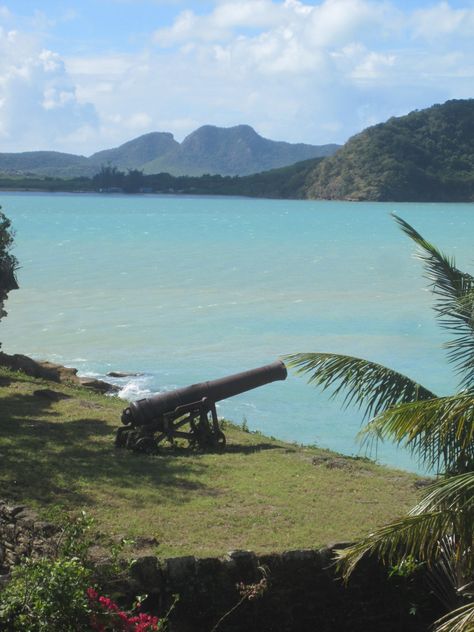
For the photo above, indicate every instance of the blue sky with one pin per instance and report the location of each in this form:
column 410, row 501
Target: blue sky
column 83, row 75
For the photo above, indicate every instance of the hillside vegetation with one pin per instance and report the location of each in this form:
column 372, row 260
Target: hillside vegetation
column 261, row 494
column 230, row 151
column 427, row 155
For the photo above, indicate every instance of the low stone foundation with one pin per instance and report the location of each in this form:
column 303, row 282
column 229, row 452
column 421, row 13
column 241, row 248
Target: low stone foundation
column 23, row 534
column 303, row 593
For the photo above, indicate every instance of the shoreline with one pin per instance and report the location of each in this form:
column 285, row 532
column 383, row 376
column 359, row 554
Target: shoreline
column 68, row 376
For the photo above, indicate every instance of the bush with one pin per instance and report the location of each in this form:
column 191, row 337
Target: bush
column 62, row 593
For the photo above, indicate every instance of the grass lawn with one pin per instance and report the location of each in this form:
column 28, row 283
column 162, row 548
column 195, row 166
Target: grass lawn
column 261, row 494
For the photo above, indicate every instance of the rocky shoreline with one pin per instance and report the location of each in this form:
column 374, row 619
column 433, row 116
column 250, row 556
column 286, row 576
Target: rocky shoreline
column 53, row 372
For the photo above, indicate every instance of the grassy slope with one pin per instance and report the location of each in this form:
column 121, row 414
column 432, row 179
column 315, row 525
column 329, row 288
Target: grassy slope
column 262, row 494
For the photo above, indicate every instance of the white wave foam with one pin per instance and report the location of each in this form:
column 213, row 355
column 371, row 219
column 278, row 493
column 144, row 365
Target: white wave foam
column 137, row 388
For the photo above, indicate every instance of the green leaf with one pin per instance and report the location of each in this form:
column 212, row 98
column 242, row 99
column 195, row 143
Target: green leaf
column 368, row 385
column 454, row 291
column 459, row 620
column 439, row 431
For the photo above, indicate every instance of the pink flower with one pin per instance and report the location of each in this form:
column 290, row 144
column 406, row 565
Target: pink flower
column 92, row 594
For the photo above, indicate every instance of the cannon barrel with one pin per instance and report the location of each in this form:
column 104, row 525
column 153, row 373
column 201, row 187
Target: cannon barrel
column 145, row 411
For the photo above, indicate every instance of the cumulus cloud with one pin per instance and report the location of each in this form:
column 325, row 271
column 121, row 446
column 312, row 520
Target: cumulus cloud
column 443, row 20
column 38, row 101
column 299, row 70
column 342, row 63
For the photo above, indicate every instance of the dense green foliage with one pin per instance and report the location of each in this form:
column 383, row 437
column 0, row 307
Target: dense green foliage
column 60, row 591
column 427, row 155
column 439, row 531
column 46, row 596
column 277, row 183
column 8, row 262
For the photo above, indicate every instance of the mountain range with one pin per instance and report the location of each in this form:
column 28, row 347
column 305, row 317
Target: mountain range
column 238, row 150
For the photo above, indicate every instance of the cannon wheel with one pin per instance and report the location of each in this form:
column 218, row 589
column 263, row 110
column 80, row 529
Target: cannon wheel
column 147, row 445
column 121, row 437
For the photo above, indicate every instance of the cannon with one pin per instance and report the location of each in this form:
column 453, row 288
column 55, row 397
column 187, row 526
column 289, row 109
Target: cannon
column 188, row 413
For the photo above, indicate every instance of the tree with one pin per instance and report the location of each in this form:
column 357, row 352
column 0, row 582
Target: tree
column 108, row 177
column 8, row 263
column 133, row 181
column 439, row 530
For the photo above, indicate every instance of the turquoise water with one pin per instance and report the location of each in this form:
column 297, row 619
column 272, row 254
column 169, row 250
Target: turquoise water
column 184, row 289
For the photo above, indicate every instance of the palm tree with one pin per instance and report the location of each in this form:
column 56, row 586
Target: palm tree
column 439, row 530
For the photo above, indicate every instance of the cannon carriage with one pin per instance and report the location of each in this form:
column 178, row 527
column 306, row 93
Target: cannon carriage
column 188, row 413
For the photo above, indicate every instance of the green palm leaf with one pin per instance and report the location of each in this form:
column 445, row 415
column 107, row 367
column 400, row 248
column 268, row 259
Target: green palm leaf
column 452, row 492
column 445, row 514
column 440, row 431
column 455, row 302
column 459, row 620
column 364, row 383
column 415, row 536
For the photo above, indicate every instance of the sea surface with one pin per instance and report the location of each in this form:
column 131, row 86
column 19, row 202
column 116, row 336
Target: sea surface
column 184, row 289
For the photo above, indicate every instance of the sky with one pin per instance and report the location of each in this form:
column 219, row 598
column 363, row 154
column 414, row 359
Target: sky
column 84, row 75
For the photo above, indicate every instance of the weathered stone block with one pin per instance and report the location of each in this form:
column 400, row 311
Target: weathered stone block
column 147, row 573
column 180, row 571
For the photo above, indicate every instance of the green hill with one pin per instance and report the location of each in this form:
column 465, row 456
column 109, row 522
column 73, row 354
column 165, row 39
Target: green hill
column 41, row 163
column 137, row 152
column 427, row 155
column 231, row 151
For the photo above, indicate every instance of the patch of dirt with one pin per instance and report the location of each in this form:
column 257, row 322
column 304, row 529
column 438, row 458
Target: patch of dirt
column 85, row 404
column 332, row 463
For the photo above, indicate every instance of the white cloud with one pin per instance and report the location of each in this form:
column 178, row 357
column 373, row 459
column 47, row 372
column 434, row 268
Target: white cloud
column 296, row 70
column 442, row 20
column 39, row 105
column 220, row 23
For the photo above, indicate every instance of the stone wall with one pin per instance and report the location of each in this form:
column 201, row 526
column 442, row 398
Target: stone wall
column 23, row 534
column 303, row 592
column 303, row 595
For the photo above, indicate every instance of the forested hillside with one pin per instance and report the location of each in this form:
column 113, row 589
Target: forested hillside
column 427, row 155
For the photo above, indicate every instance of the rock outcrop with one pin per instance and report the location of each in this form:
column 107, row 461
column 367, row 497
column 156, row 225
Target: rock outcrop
column 53, row 372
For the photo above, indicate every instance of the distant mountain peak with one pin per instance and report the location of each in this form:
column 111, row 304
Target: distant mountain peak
column 236, row 150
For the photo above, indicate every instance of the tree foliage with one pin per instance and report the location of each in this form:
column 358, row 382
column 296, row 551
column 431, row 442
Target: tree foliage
column 427, row 155
column 8, row 263
column 439, row 530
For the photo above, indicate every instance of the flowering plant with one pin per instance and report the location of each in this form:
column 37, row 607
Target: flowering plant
column 106, row 616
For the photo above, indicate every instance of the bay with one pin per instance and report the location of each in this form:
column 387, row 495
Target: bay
column 185, row 289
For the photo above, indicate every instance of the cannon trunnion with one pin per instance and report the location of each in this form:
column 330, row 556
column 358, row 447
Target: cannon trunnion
column 188, row 413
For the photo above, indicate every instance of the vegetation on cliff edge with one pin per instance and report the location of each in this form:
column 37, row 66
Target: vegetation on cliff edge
column 426, row 156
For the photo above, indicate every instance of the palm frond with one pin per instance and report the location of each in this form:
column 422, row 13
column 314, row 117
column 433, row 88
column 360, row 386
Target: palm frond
column 439, row 431
column 440, row 525
column 416, row 536
column 454, row 290
column 451, row 492
column 368, row 385
column 459, row 620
